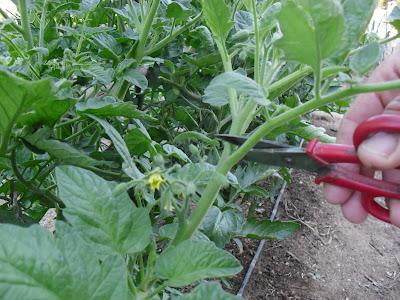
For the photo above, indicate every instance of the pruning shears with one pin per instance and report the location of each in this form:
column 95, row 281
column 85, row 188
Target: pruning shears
column 323, row 159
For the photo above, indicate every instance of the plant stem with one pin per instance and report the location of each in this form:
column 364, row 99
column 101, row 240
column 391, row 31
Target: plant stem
column 169, row 38
column 48, row 197
column 225, row 164
column 140, row 50
column 82, row 36
column 12, row 24
column 70, row 121
column 78, row 133
column 41, row 31
column 257, row 46
column 26, row 26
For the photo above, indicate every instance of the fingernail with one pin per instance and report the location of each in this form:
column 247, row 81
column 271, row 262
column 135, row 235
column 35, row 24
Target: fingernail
column 382, row 144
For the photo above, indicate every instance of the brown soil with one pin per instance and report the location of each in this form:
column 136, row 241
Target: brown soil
column 328, row 258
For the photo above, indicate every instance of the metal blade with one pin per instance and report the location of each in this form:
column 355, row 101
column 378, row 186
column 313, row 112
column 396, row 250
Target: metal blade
column 288, row 157
column 239, row 140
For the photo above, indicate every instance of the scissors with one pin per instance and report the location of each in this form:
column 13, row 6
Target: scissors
column 323, row 158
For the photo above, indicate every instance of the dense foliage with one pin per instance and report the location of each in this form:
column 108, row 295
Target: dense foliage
column 108, row 113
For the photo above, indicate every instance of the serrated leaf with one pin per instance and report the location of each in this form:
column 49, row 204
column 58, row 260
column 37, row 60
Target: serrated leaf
column 33, row 263
column 137, row 78
column 178, row 11
column 137, row 142
column 107, row 43
column 251, row 173
column 217, row 92
column 312, row 30
column 110, row 221
column 110, row 107
column 218, row 17
column 209, row 290
column 194, row 260
column 129, row 166
column 268, row 230
column 244, row 20
column 88, row 5
column 366, row 58
column 171, row 150
column 357, row 15
column 27, row 102
column 394, row 17
column 220, row 226
column 63, row 152
column 103, row 76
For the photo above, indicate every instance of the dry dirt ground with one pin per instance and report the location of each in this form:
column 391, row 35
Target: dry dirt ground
column 329, row 258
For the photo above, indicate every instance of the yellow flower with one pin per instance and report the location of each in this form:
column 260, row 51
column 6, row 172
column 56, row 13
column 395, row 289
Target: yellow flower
column 155, row 181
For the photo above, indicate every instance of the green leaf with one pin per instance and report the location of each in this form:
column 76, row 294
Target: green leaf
column 244, row 20
column 137, row 78
column 110, row 221
column 209, row 290
column 9, row 216
column 217, row 94
column 103, row 76
column 394, row 18
column 108, row 44
column 129, row 166
column 194, row 260
column 88, row 5
column 137, row 142
column 268, row 230
column 63, row 152
column 357, row 15
column 171, row 150
column 33, row 263
column 194, row 135
column 251, row 173
column 312, row 30
column 109, row 107
column 218, row 17
column 178, row 11
column 220, row 226
column 29, row 102
column 366, row 58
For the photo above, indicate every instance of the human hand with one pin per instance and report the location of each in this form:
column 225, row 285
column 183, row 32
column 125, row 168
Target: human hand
column 381, row 151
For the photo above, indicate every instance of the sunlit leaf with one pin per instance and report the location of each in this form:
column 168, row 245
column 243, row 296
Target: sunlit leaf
column 312, row 30
column 194, row 260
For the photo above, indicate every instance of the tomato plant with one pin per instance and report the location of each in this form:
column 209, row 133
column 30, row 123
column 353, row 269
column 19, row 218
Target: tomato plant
column 108, row 111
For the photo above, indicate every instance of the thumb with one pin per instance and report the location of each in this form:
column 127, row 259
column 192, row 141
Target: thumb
column 381, row 151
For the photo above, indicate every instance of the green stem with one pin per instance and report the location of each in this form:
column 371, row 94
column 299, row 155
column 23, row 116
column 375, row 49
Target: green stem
column 140, row 50
column 11, row 43
column 26, row 26
column 12, row 24
column 82, row 36
column 317, row 81
column 41, row 30
column 70, row 121
column 78, row 133
column 389, row 39
column 165, row 41
column 210, row 193
column 257, row 46
column 47, row 197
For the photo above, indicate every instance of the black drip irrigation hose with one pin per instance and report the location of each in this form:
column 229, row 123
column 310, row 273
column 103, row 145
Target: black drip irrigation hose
column 262, row 243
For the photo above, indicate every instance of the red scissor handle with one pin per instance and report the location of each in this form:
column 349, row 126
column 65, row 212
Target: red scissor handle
column 329, row 154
